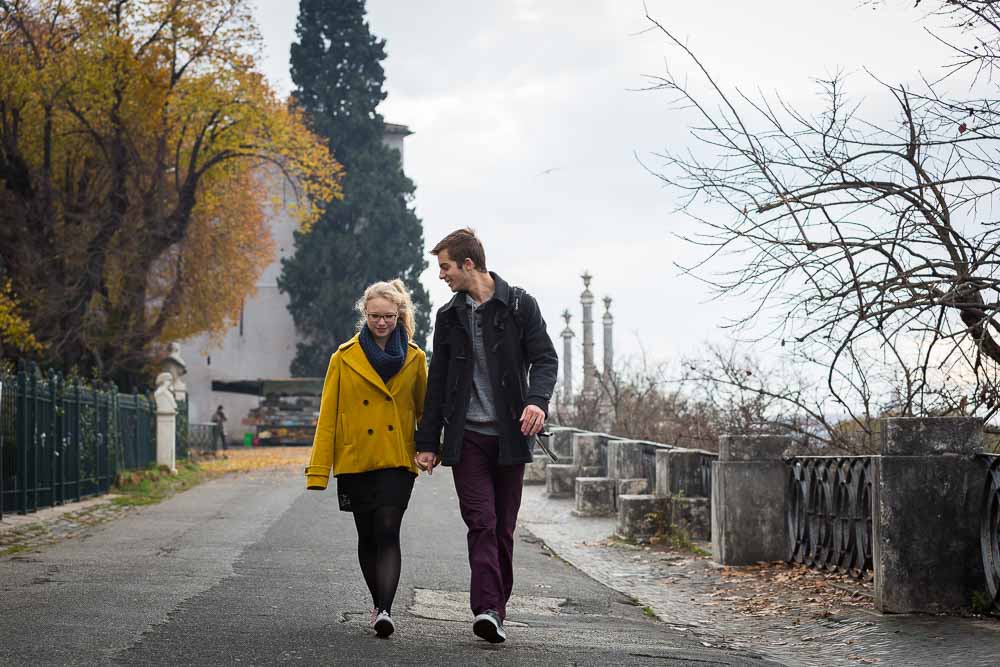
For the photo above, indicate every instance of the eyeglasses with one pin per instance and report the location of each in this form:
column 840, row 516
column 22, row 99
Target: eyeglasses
column 388, row 317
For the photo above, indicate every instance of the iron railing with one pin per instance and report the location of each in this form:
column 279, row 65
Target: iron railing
column 829, row 513
column 62, row 441
column 989, row 528
column 204, row 437
column 181, row 443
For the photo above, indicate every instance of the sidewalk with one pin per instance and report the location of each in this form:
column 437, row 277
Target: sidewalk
column 23, row 532
column 789, row 614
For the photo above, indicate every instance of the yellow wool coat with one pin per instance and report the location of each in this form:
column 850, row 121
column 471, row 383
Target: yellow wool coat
column 364, row 423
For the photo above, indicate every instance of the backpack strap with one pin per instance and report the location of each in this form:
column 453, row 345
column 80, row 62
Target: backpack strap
column 517, row 293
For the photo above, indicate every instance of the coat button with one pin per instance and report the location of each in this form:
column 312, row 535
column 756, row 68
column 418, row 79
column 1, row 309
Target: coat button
column 365, row 401
column 371, row 432
column 388, row 398
column 390, row 427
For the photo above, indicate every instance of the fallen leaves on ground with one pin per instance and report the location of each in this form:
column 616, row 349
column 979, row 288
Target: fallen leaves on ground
column 779, row 588
column 251, row 459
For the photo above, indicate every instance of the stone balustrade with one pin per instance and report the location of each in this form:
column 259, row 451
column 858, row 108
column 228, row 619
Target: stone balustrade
column 926, row 493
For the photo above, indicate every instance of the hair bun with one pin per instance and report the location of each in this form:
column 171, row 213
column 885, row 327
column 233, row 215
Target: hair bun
column 399, row 285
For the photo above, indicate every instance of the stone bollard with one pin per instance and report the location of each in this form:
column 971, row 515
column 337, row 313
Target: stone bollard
column 749, row 486
column 633, row 487
column 590, row 450
column 166, row 422
column 560, row 478
column 534, row 472
column 692, row 515
column 683, row 472
column 642, row 517
column 595, row 496
column 926, row 496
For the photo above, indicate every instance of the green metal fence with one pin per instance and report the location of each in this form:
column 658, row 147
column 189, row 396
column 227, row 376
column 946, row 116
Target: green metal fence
column 62, row 441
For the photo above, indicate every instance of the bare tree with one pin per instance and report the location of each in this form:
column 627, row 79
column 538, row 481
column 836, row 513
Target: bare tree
column 874, row 243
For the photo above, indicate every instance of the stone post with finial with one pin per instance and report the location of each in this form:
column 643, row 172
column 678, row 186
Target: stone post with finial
column 609, row 346
column 567, row 359
column 587, row 301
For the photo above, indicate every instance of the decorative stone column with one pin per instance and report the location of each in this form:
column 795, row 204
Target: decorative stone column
column 587, row 301
column 567, row 359
column 927, row 490
column 608, row 340
column 749, row 485
column 166, row 423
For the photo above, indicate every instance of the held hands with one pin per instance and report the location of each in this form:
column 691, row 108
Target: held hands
column 532, row 420
column 427, row 461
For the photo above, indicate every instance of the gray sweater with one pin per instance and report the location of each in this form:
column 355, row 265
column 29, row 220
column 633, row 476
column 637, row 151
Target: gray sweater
column 481, row 416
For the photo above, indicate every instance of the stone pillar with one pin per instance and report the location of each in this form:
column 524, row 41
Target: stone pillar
column 631, row 459
column 608, row 340
column 749, row 485
column 642, row 517
column 587, row 301
column 595, row 496
column 166, row 422
column 567, row 360
column 926, row 496
column 590, row 450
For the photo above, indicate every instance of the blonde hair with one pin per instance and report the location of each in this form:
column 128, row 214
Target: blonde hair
column 394, row 291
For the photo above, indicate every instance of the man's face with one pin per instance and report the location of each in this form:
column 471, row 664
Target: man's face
column 457, row 276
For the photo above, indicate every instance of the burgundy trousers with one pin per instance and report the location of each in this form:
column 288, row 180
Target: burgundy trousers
column 489, row 496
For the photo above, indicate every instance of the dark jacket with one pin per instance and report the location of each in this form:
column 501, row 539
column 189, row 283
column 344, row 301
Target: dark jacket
column 522, row 366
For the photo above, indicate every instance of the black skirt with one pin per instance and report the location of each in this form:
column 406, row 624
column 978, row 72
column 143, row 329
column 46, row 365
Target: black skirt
column 367, row 491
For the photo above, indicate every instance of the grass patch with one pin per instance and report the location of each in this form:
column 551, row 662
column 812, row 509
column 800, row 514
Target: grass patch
column 649, row 613
column 10, row 551
column 154, row 484
column 677, row 539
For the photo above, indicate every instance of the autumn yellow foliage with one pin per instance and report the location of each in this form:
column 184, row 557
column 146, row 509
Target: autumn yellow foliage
column 14, row 329
column 138, row 146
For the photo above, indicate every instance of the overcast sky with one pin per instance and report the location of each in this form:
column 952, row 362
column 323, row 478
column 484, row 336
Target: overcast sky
column 527, row 121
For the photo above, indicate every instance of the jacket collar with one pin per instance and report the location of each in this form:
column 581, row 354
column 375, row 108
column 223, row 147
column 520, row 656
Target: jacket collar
column 355, row 357
column 501, row 292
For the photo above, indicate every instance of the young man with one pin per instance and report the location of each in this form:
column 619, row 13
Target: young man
column 490, row 380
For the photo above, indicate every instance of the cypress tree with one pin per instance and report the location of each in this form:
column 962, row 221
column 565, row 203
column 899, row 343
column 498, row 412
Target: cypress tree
column 373, row 233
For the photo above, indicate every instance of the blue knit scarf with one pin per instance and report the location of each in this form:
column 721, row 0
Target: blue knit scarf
column 389, row 361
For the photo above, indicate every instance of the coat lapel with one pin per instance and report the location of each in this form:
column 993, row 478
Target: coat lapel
column 356, row 359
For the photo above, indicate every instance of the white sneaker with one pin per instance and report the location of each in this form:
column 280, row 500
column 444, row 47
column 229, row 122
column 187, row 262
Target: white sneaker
column 383, row 624
column 488, row 626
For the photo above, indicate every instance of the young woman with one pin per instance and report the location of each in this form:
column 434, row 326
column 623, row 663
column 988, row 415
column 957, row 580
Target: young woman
column 373, row 397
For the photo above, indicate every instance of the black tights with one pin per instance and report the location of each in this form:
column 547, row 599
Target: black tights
column 378, row 553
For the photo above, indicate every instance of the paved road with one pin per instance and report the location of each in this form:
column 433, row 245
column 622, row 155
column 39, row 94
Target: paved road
column 252, row 570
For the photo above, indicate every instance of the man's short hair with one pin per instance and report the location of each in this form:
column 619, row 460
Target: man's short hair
column 463, row 244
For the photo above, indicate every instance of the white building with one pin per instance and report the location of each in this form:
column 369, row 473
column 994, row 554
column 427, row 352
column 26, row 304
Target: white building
column 262, row 343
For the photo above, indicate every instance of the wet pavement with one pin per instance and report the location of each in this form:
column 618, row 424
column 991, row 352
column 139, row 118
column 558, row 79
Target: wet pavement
column 735, row 609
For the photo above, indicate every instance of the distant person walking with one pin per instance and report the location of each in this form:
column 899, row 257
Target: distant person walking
column 219, row 419
column 373, row 397
column 491, row 377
